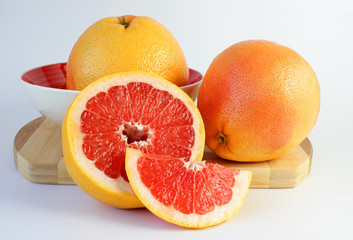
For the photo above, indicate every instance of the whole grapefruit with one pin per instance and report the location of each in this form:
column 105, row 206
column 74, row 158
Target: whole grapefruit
column 258, row 100
column 127, row 43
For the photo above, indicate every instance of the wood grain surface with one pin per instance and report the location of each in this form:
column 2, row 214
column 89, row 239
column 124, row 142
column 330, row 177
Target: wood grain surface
column 38, row 157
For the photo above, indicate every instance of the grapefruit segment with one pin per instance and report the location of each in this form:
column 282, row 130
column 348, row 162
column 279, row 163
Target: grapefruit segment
column 138, row 99
column 155, row 103
column 133, row 109
column 190, row 194
column 181, row 135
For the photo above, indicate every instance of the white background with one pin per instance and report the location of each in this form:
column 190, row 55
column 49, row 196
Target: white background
column 35, row 33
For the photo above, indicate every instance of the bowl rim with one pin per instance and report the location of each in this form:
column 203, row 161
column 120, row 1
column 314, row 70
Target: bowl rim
column 77, row 91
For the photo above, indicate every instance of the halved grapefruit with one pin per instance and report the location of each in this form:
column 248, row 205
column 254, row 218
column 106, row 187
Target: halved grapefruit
column 133, row 109
column 189, row 194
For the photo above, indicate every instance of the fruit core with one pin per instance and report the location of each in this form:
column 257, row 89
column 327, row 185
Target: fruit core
column 136, row 133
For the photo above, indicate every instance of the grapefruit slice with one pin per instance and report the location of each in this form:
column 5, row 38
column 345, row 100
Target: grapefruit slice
column 133, row 109
column 189, row 194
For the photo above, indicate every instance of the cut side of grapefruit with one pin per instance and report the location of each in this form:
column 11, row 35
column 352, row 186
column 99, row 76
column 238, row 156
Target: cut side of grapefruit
column 133, row 109
column 189, row 194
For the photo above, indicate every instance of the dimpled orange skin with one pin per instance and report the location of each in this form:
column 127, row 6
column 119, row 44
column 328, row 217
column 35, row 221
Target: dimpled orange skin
column 258, row 100
column 109, row 47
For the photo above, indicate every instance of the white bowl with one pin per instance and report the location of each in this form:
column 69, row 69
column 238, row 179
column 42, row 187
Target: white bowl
column 45, row 88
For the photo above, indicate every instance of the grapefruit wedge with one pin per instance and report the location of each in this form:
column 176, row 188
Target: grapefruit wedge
column 133, row 109
column 190, row 194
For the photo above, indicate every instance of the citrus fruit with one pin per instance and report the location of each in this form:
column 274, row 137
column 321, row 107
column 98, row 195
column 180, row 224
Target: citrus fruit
column 190, row 194
column 127, row 43
column 258, row 100
column 132, row 109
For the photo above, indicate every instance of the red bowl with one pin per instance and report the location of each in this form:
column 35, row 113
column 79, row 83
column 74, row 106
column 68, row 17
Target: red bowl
column 46, row 89
column 54, row 76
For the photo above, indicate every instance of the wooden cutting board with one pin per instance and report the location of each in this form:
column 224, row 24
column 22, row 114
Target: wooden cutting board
column 38, row 157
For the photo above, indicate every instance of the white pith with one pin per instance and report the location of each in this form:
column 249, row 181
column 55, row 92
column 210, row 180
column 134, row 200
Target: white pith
column 195, row 166
column 119, row 185
column 218, row 215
